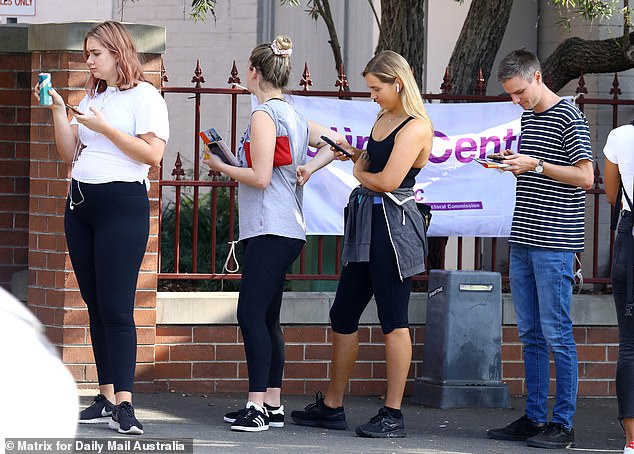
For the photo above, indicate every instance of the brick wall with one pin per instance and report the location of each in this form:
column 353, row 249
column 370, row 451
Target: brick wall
column 204, row 358
column 15, row 102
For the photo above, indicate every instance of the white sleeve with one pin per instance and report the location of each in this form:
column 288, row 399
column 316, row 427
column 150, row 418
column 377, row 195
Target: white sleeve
column 151, row 114
column 617, row 142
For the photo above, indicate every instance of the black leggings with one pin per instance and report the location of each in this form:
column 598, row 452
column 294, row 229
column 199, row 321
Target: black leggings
column 106, row 233
column 625, row 363
column 378, row 277
column 265, row 262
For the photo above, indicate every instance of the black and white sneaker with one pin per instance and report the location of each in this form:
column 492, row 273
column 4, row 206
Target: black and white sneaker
column 124, row 421
column 253, row 419
column 233, row 415
column 276, row 415
column 98, row 412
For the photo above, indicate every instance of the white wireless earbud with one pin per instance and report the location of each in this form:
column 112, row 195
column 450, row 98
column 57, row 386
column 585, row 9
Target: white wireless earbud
column 398, row 88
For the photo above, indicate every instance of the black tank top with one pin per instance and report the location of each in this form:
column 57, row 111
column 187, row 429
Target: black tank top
column 380, row 151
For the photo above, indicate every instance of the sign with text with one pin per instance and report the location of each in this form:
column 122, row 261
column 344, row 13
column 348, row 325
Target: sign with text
column 17, row 7
column 466, row 198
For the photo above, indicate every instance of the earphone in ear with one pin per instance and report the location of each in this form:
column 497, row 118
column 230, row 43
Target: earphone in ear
column 398, row 87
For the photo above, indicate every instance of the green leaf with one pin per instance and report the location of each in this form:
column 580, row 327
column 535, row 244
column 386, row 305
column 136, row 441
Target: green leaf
column 202, row 8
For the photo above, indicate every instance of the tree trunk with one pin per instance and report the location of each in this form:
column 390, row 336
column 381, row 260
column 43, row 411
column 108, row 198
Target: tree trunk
column 478, row 43
column 402, row 30
column 575, row 56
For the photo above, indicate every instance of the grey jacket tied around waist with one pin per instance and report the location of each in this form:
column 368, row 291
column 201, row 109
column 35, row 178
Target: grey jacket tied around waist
column 404, row 223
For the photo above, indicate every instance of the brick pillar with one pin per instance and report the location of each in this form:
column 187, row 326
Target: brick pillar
column 53, row 292
column 15, row 102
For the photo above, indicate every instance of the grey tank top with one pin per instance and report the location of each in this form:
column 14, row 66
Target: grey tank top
column 276, row 209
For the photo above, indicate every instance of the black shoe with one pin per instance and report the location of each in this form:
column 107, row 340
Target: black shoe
column 519, row 430
column 383, row 425
column 554, row 436
column 124, row 421
column 99, row 411
column 253, row 419
column 276, row 415
column 233, row 415
column 319, row 415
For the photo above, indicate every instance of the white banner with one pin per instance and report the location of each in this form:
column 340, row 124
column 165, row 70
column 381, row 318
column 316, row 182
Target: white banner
column 466, row 198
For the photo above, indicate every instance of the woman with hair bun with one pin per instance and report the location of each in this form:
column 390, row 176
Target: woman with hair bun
column 384, row 246
column 273, row 169
column 119, row 131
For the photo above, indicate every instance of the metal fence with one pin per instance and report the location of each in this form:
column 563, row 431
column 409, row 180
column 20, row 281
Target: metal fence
column 320, row 259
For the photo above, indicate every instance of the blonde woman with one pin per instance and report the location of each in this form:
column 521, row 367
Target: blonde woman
column 384, row 246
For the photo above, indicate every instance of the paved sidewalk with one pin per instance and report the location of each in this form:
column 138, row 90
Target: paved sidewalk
column 429, row 430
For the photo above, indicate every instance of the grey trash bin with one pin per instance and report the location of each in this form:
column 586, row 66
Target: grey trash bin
column 462, row 366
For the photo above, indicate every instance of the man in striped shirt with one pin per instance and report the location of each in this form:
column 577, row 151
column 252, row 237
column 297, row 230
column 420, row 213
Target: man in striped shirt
column 553, row 170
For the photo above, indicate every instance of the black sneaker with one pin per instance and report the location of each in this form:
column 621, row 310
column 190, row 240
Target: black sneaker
column 124, row 421
column 519, row 430
column 383, row 425
column 554, row 436
column 233, row 415
column 276, row 415
column 319, row 415
column 99, row 411
column 253, row 419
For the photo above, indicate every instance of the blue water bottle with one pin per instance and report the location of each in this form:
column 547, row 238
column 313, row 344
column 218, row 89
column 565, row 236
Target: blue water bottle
column 44, row 80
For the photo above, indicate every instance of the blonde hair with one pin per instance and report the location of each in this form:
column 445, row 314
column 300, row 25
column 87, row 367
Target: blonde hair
column 118, row 40
column 387, row 66
column 273, row 61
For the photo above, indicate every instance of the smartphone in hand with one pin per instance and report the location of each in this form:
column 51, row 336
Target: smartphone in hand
column 339, row 148
column 74, row 109
column 491, row 163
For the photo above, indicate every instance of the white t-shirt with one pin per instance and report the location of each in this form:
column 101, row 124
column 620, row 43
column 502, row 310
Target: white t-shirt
column 619, row 150
column 136, row 111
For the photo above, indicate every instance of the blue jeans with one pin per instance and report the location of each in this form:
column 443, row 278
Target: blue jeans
column 541, row 286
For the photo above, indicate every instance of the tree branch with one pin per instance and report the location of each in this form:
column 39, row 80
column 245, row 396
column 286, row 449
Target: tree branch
column 575, row 56
column 376, row 16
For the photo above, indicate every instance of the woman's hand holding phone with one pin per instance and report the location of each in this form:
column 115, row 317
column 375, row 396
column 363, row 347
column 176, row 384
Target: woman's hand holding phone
column 336, row 146
column 74, row 109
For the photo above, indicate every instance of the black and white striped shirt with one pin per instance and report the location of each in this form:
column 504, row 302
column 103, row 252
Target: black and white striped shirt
column 550, row 214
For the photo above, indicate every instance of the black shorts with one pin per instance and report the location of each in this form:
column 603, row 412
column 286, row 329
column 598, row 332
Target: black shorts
column 379, row 277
